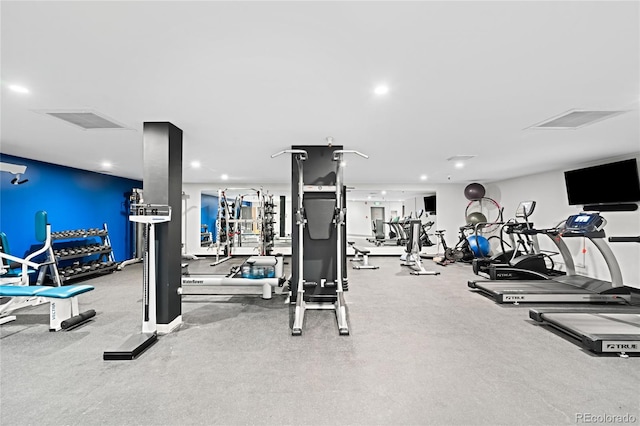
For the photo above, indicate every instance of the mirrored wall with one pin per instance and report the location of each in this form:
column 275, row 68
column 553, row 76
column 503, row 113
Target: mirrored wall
column 371, row 223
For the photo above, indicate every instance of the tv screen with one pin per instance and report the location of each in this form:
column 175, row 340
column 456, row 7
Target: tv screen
column 430, row 204
column 608, row 183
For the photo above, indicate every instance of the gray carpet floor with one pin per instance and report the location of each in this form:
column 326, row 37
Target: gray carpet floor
column 423, row 350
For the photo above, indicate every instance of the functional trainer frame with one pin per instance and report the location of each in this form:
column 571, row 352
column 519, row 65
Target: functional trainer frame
column 319, row 239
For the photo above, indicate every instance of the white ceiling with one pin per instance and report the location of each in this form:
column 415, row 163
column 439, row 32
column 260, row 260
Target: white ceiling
column 246, row 79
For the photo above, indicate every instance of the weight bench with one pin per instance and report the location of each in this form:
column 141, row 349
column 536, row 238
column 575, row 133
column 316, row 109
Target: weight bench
column 364, row 259
column 63, row 303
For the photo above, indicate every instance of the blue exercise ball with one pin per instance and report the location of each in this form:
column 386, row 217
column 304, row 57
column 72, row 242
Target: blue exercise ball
column 474, row 191
column 479, row 245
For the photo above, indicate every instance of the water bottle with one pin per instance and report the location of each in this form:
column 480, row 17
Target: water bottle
column 246, row 271
column 258, row 272
column 269, row 272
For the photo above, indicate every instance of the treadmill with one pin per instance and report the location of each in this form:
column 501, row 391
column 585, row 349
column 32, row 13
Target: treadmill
column 599, row 330
column 569, row 288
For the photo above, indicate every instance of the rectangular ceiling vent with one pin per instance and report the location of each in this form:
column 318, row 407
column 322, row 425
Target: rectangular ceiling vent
column 85, row 119
column 575, row 119
column 460, row 158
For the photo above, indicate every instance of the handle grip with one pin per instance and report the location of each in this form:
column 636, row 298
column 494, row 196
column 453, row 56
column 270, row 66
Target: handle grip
column 347, row 151
column 301, row 152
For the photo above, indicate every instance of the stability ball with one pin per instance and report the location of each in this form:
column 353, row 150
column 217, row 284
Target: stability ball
column 479, row 245
column 474, row 191
column 475, row 218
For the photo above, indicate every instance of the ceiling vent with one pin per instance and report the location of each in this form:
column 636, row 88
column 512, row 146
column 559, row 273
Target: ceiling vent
column 85, row 119
column 460, row 158
column 575, row 119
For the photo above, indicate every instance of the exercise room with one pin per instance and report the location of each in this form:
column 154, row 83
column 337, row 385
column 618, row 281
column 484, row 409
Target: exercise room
column 319, row 213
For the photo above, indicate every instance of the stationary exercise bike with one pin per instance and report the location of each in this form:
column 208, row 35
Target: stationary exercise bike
column 467, row 249
column 461, row 252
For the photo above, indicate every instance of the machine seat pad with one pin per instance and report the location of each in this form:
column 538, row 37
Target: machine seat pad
column 361, row 250
column 21, row 290
column 66, row 291
column 262, row 260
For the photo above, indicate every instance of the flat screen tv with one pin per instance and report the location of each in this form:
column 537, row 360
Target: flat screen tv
column 430, row 204
column 605, row 184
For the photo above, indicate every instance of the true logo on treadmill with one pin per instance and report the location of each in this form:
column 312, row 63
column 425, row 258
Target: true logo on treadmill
column 514, row 298
column 622, row 346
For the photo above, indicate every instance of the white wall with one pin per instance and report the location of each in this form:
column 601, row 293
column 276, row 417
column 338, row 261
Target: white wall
column 548, row 190
column 359, row 215
column 450, row 206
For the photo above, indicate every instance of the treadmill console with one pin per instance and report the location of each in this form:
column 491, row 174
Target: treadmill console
column 584, row 224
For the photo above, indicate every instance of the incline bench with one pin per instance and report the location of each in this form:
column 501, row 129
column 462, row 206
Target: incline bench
column 364, row 259
column 63, row 303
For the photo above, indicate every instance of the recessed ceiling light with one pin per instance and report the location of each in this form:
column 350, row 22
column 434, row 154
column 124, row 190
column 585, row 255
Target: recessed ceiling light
column 18, row 89
column 224, row 176
column 381, row 90
column 106, row 165
column 195, row 164
column 384, row 192
column 423, row 177
column 368, row 197
column 459, row 165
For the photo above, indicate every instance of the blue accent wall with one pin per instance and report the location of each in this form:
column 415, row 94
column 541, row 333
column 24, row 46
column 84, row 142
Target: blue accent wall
column 72, row 198
column 209, row 213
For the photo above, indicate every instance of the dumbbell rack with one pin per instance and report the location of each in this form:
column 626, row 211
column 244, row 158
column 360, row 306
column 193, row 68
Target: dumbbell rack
column 72, row 253
column 268, row 226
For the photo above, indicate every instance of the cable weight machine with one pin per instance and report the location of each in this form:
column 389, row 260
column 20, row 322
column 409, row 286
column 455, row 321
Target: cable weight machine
column 149, row 215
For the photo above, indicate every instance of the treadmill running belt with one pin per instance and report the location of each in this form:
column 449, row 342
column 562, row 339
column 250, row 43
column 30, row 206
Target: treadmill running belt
column 595, row 325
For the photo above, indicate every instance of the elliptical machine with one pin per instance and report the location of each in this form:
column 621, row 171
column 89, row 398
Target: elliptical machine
column 414, row 246
column 522, row 259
